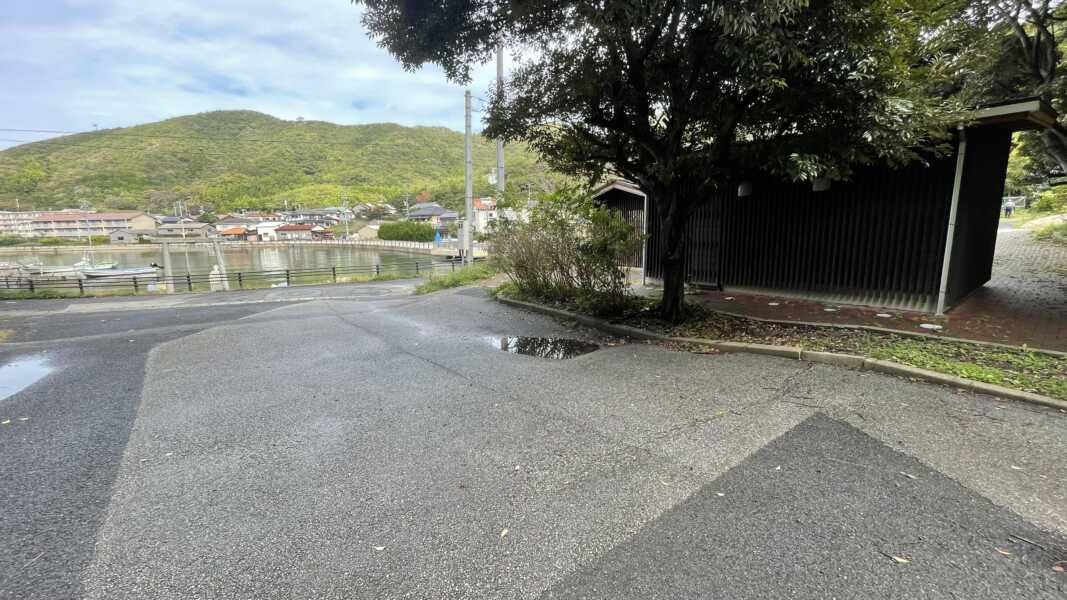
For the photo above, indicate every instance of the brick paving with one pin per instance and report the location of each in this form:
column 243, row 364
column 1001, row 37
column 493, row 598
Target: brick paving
column 1025, row 301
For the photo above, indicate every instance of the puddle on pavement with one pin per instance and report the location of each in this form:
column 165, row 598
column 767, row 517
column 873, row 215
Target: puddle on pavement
column 543, row 347
column 18, row 375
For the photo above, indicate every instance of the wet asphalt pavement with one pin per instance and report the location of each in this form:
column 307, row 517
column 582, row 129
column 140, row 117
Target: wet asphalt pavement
column 381, row 445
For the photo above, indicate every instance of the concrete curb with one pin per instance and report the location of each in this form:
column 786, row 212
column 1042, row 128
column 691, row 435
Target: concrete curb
column 828, row 358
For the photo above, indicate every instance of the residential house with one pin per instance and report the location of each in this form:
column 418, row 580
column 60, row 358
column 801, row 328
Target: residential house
column 192, row 230
column 294, row 231
column 236, row 233
column 323, row 217
column 131, row 236
column 432, row 213
column 487, row 211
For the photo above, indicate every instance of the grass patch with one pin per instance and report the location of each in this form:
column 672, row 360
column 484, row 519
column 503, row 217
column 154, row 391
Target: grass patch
column 35, row 295
column 1055, row 232
column 507, row 288
column 368, row 278
column 459, row 278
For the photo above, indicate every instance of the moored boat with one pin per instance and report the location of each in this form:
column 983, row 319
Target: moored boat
column 117, row 272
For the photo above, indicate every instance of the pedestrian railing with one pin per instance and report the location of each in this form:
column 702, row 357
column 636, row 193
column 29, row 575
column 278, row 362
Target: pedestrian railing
column 217, row 281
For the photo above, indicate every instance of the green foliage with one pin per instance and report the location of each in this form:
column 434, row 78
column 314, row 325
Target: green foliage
column 207, row 218
column 15, row 240
column 460, row 277
column 410, row 231
column 989, row 51
column 34, row 295
column 1056, row 232
column 1051, row 201
column 1019, row 369
column 685, row 99
column 569, row 251
column 222, row 161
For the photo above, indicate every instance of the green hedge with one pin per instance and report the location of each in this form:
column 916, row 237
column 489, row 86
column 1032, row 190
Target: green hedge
column 408, row 231
column 14, row 240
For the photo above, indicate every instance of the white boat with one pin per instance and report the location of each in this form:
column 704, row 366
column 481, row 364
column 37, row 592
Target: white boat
column 123, row 272
column 85, row 264
column 56, row 270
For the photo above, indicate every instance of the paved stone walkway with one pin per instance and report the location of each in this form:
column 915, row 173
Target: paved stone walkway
column 1025, row 302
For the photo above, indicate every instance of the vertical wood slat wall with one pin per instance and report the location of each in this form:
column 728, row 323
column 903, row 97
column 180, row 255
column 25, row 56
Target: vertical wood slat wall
column 703, row 244
column 877, row 239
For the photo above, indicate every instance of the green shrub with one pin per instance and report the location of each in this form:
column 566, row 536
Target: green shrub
column 408, row 231
column 569, row 251
column 1051, row 201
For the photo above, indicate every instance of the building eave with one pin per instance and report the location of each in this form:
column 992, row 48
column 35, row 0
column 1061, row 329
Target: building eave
column 1032, row 113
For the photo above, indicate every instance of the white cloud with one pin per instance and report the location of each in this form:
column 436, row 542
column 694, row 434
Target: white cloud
column 75, row 63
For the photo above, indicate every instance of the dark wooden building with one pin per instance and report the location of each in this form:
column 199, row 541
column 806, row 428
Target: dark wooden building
column 919, row 237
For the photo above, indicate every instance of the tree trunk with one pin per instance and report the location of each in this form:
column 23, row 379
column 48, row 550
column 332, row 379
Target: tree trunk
column 1056, row 145
column 673, row 243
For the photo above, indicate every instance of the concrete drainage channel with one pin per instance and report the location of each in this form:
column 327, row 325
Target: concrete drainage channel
column 830, row 358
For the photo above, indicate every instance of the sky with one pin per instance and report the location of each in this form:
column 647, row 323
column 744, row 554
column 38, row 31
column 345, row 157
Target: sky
column 76, row 64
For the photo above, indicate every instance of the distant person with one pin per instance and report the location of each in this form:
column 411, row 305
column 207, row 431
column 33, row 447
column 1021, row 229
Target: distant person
column 1009, row 208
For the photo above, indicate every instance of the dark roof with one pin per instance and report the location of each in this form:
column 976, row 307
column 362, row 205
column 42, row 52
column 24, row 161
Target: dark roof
column 428, row 209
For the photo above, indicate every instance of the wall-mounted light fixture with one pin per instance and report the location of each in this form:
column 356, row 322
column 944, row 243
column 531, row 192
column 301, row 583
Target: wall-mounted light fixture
column 744, row 189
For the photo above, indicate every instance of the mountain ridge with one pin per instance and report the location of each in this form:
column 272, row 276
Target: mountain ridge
column 224, row 160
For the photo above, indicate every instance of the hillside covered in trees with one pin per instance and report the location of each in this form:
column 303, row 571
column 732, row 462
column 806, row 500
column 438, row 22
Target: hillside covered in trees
column 241, row 159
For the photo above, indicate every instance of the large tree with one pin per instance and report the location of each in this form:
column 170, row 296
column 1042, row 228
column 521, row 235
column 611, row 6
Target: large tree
column 684, row 97
column 1002, row 50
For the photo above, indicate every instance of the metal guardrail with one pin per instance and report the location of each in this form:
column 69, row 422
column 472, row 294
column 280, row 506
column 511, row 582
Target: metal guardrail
column 190, row 282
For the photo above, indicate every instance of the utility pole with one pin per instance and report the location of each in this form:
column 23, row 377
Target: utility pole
column 500, row 142
column 345, row 214
column 468, row 227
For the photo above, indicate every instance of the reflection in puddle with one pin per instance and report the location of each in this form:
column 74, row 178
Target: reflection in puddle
column 543, row 347
column 20, row 374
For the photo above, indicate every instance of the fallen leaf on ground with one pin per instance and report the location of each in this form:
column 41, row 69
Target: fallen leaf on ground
column 908, row 475
column 379, row 548
column 1004, row 552
column 901, row 559
column 504, row 532
column 1060, row 567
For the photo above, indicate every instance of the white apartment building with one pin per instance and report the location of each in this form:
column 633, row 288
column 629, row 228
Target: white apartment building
column 17, row 223
column 74, row 224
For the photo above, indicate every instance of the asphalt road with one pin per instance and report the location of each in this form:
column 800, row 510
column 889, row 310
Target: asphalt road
column 371, row 444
